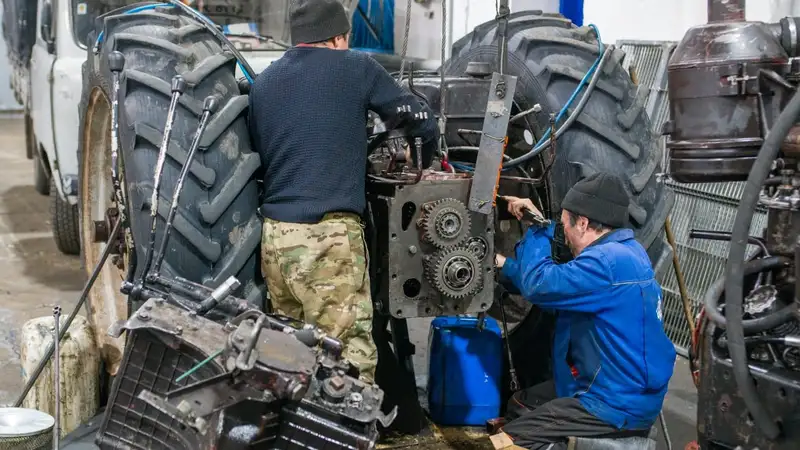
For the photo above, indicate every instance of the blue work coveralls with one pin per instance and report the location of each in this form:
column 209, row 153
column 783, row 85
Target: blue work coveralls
column 609, row 324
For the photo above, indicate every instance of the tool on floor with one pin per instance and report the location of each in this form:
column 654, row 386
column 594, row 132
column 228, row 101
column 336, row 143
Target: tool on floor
column 56, row 376
column 512, row 372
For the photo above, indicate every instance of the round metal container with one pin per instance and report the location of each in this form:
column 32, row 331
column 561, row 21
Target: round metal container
column 25, row 429
column 717, row 113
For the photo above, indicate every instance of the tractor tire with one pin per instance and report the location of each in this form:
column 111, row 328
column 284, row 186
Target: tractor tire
column 64, row 220
column 216, row 233
column 549, row 56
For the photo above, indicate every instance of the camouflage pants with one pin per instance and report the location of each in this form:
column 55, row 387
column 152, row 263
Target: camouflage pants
column 318, row 273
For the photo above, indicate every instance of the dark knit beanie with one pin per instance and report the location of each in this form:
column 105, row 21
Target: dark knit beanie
column 317, row 20
column 601, row 197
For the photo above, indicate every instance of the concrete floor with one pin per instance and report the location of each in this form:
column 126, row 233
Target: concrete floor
column 35, row 276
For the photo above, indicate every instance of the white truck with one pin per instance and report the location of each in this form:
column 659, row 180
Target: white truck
column 47, row 48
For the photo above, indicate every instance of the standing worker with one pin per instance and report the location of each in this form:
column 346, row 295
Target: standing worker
column 308, row 113
column 612, row 360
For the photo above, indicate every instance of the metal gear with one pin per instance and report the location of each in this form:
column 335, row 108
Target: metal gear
column 478, row 245
column 456, row 273
column 445, row 223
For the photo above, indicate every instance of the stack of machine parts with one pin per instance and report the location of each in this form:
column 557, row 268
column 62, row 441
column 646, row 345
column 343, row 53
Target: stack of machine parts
column 733, row 118
column 255, row 382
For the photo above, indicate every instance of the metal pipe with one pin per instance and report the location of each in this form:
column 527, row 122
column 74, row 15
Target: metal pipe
column 210, row 106
column 687, row 308
column 726, row 10
column 178, row 88
column 116, row 63
column 57, row 376
column 81, row 300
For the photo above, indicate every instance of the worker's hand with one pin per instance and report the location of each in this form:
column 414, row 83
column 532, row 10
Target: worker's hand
column 517, row 205
column 499, row 260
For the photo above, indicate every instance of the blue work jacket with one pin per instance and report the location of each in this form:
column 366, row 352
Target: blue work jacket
column 610, row 349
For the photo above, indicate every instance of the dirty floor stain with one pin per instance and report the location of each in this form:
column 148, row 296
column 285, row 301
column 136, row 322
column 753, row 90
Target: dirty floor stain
column 35, row 275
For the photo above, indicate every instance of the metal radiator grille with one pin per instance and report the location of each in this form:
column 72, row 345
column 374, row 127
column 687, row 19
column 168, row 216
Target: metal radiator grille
column 130, row 423
column 702, row 206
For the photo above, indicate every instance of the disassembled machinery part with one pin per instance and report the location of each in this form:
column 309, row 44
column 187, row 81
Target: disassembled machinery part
column 455, row 272
column 478, row 246
column 445, row 223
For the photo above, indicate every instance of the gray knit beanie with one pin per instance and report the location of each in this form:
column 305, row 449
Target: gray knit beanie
column 317, row 20
column 601, row 197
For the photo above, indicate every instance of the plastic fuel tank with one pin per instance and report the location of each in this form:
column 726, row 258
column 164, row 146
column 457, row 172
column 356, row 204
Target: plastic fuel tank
column 464, row 371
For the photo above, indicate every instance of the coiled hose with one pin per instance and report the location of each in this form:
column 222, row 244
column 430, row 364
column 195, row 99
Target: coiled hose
column 751, row 326
column 734, row 268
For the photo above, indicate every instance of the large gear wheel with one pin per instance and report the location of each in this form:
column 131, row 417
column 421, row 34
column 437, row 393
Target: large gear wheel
column 455, row 272
column 445, row 223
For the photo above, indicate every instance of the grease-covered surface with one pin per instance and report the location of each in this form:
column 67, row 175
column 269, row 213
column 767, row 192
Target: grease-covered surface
column 34, row 275
column 79, row 365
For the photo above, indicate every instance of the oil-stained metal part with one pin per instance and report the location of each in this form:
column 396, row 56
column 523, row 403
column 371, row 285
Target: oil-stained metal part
column 493, row 143
column 57, row 376
column 182, row 413
column 445, row 222
column 210, row 106
column 456, row 273
column 405, row 284
column 478, row 246
column 217, row 295
column 178, row 88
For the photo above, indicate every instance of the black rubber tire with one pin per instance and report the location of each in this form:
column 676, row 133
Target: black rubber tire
column 216, row 232
column 41, row 176
column 64, row 218
column 550, row 56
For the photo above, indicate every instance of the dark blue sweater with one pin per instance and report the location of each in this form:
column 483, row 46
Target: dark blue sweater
column 308, row 113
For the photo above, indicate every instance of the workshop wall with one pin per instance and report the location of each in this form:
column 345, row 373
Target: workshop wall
column 668, row 20
column 616, row 19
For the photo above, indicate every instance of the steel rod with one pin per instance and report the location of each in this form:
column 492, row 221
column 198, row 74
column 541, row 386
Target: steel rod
column 209, row 106
column 63, row 331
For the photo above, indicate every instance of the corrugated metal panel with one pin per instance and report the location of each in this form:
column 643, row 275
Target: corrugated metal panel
column 701, row 206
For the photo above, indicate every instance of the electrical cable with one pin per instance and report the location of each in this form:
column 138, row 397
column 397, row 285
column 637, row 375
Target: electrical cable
column 594, row 73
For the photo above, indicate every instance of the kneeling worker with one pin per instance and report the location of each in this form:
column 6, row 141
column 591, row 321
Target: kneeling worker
column 612, row 360
column 308, row 113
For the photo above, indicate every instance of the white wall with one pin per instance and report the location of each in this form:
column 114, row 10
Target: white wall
column 668, row 20
column 616, row 19
column 463, row 15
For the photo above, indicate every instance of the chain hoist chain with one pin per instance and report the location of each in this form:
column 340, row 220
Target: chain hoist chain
column 405, row 41
column 442, row 116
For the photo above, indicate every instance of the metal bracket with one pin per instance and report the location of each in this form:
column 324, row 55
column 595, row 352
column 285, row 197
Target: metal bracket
column 493, row 143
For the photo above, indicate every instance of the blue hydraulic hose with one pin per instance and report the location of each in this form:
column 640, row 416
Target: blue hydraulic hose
column 157, row 5
column 465, row 168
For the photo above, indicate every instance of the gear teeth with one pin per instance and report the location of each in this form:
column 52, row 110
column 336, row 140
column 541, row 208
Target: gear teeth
column 433, row 229
column 434, row 272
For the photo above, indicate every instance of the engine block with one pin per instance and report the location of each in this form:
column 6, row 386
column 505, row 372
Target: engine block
column 435, row 256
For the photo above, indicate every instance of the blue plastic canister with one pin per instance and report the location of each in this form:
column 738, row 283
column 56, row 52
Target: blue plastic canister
column 464, row 371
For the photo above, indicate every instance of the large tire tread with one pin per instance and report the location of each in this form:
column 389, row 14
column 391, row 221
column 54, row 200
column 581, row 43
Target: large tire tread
column 550, row 56
column 216, row 231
